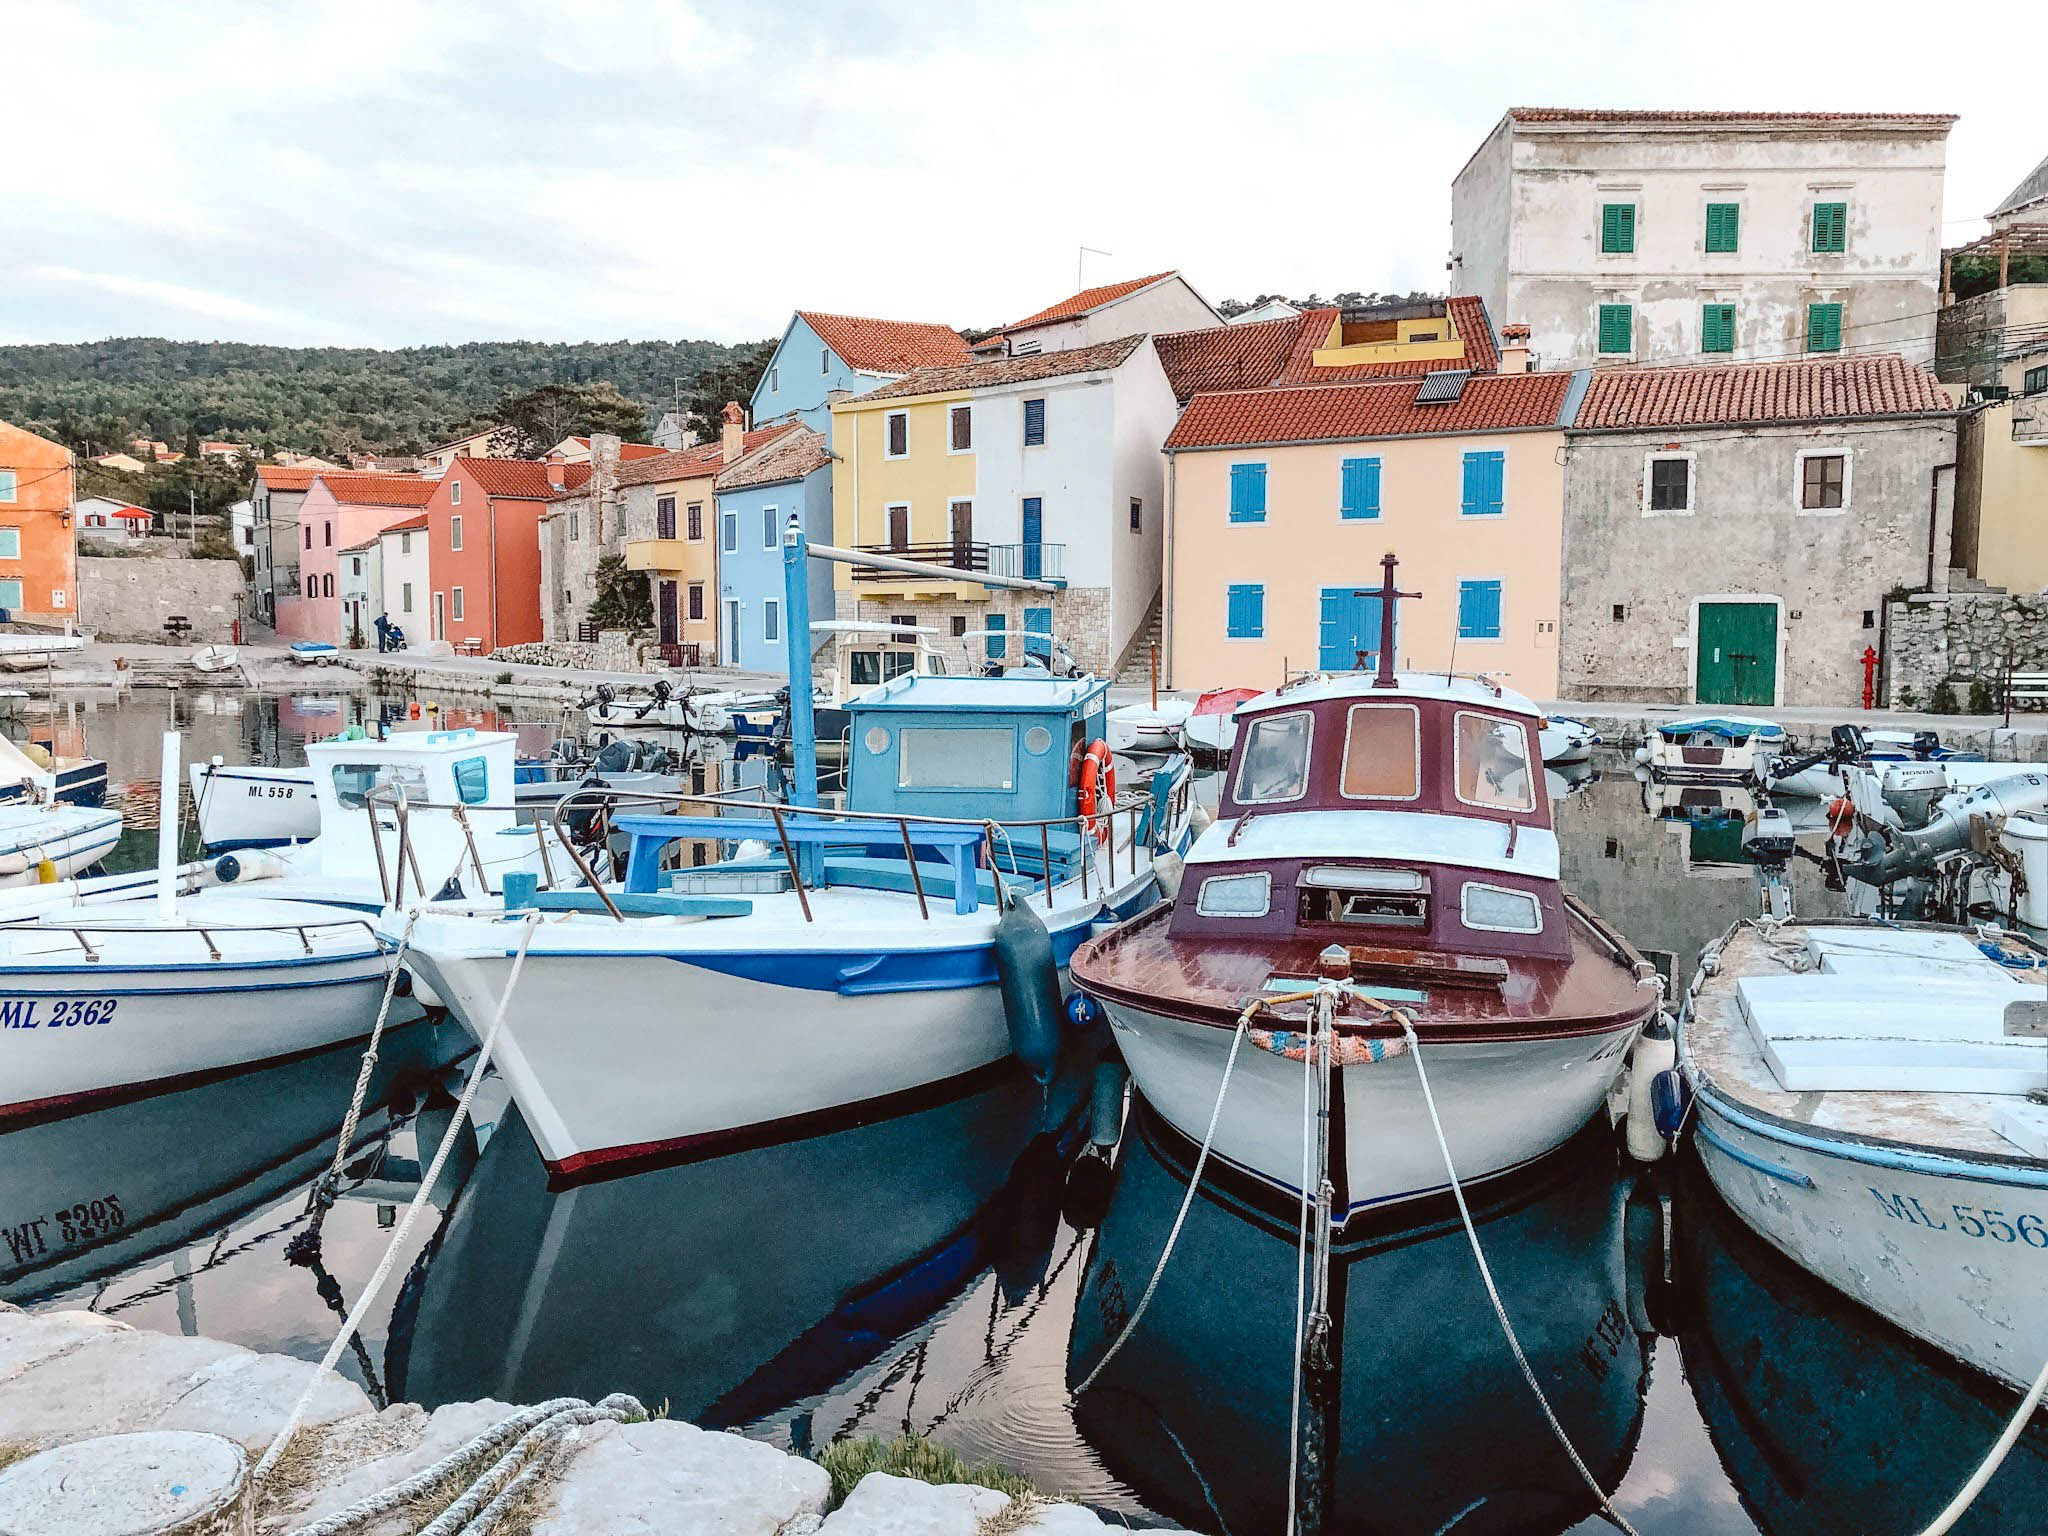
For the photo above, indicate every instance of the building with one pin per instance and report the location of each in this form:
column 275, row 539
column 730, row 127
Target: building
column 1269, row 309
column 1341, row 346
column 402, row 574
column 104, row 520
column 242, row 528
column 1731, row 533
column 359, row 588
column 483, row 551
column 472, row 445
column 228, row 451
column 1165, row 301
column 121, row 461
column 757, row 495
column 1044, row 467
column 38, row 536
column 2001, row 535
column 1282, row 502
column 1680, row 237
column 822, row 356
column 341, row 510
column 577, row 450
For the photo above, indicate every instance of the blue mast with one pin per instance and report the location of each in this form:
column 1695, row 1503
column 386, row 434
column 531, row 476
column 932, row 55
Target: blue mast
column 803, row 725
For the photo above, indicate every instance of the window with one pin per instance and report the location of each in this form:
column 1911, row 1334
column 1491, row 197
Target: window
column 1667, row 482
column 9, row 483
column 2036, row 381
column 1617, row 329
column 1235, row 895
column 771, row 621
column 771, row 530
column 327, row 534
column 455, row 603
column 1382, row 753
column 897, row 515
column 1823, row 482
column 1247, row 493
column 696, row 608
column 1724, row 226
column 953, row 757
column 774, row 380
column 1717, row 327
column 1478, row 610
column 405, row 543
column 896, row 435
column 1493, row 763
column 405, row 597
column 10, row 543
column 455, row 533
column 824, row 360
column 1617, row 228
column 10, row 594
column 327, row 585
column 1382, row 898
column 1247, row 613
column 1137, row 515
column 1830, row 227
column 1823, row 327
column 998, row 642
column 354, row 782
column 960, row 428
column 1485, row 484
column 1274, row 758
column 664, row 517
column 695, row 527
column 1496, row 909
column 454, row 493
column 355, row 565
column 309, row 536
column 472, row 780
column 1358, row 493
column 729, row 532
column 576, row 524
column 1034, row 423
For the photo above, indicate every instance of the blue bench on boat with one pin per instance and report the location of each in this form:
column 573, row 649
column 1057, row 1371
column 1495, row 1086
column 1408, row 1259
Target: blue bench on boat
column 955, row 845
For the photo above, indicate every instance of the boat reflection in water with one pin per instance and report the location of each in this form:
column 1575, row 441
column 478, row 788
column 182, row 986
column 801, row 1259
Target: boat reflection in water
column 1828, row 1420
column 732, row 1287
column 89, row 1195
column 1436, row 1429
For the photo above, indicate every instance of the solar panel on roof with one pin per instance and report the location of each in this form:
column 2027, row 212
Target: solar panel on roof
column 1442, row 386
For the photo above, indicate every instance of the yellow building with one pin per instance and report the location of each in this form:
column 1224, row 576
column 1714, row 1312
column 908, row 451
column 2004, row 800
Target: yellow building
column 2001, row 532
column 906, row 486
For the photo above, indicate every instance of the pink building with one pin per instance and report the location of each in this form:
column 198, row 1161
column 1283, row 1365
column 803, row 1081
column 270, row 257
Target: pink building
column 338, row 513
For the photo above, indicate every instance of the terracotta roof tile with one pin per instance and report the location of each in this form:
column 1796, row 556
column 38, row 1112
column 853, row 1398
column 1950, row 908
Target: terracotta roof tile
column 886, row 346
column 629, row 450
column 791, row 456
column 1009, row 370
column 1621, row 115
column 1226, row 357
column 1811, row 389
column 1087, row 299
column 410, row 525
column 704, row 459
column 1467, row 314
column 516, row 479
column 373, row 490
column 1347, row 412
column 277, row 478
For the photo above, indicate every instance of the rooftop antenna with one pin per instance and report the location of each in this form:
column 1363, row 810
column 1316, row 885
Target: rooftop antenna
column 1081, row 256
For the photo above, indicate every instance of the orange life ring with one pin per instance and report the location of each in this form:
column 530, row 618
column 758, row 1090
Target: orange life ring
column 1098, row 786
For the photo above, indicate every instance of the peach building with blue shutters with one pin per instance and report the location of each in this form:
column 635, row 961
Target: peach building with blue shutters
column 1280, row 503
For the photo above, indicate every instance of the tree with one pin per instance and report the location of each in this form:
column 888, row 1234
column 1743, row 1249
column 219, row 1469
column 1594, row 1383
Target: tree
column 191, row 442
column 733, row 379
column 622, row 601
column 531, row 423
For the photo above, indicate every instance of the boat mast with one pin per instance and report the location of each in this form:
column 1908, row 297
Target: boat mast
column 1388, row 595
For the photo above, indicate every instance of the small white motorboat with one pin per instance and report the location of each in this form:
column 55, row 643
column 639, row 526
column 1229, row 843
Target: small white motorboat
column 1154, row 727
column 314, row 653
column 214, row 658
column 1211, row 727
column 253, row 807
column 1867, row 1101
column 1717, row 746
column 1824, row 774
column 1566, row 741
column 42, row 843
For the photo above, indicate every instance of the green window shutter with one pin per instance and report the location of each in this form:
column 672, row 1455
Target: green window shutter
column 1724, row 226
column 1823, row 327
column 1617, row 328
column 1717, row 328
column 1617, row 228
column 1830, row 227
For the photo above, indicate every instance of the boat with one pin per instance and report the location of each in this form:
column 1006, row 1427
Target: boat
column 1383, row 840
column 253, row 806
column 865, row 654
column 314, row 653
column 861, row 950
column 42, row 843
column 214, row 658
column 1892, row 851
column 663, row 706
column 1711, row 746
column 36, row 771
column 1565, row 741
column 1154, row 727
column 1210, row 729
column 1824, row 774
column 1862, row 1101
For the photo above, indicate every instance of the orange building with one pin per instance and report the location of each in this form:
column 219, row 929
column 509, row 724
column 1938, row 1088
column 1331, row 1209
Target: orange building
column 38, row 536
column 483, row 551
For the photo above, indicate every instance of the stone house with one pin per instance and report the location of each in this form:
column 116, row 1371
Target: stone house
column 1677, row 237
column 579, row 527
column 1731, row 533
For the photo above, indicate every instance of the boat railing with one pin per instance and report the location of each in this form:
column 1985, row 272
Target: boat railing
column 203, row 931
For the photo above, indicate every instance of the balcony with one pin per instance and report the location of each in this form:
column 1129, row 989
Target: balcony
column 1040, row 562
column 656, row 554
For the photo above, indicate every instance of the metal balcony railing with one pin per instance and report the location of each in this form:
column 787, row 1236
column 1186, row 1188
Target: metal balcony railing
column 1043, row 562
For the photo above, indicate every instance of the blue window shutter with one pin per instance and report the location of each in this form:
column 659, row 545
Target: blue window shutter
column 1496, row 482
column 1247, row 493
column 998, row 642
column 1247, row 613
column 1479, row 610
column 1361, row 489
column 1485, row 484
column 1034, row 423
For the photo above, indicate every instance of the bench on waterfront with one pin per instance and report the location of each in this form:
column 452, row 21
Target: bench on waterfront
column 2027, row 688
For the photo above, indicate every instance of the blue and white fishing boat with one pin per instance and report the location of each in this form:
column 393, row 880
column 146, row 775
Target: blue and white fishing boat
column 38, row 772
column 852, row 971
column 1711, row 746
column 41, row 843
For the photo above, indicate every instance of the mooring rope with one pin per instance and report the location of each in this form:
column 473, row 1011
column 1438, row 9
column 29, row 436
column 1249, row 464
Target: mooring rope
column 1308, row 1116
column 428, row 1180
column 1967, row 1495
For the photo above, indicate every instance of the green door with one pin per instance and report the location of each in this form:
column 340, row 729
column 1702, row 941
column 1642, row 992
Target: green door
column 1737, row 658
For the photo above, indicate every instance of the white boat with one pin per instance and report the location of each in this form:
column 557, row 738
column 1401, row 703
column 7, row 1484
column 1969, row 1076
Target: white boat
column 1717, row 746
column 314, row 653
column 1862, row 1102
column 836, row 978
column 1565, row 741
column 1148, row 727
column 41, row 843
column 35, row 772
column 254, row 806
column 214, row 658
column 1210, row 730
column 1823, row 775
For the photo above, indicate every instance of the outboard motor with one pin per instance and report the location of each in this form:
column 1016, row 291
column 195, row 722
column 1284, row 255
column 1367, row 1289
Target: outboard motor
column 617, row 757
column 656, row 697
column 1916, row 851
column 1911, row 790
column 1768, row 842
column 1926, row 744
column 1849, row 744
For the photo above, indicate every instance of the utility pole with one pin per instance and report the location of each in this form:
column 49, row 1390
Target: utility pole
column 192, row 513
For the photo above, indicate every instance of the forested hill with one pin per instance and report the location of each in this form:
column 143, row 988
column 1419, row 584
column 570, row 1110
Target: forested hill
column 326, row 400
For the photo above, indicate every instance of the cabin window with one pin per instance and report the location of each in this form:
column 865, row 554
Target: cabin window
column 1493, row 763
column 864, row 668
column 472, row 781
column 877, row 740
column 1382, row 753
column 1274, row 764
column 945, row 757
column 353, row 782
column 1038, row 741
column 1333, row 893
column 1236, row 895
column 1496, row 909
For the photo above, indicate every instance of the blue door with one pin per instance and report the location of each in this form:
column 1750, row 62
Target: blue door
column 1351, row 625
column 1034, row 541
column 1038, row 630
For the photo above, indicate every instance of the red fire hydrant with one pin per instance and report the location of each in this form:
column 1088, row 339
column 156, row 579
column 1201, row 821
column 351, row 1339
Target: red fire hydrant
column 1869, row 677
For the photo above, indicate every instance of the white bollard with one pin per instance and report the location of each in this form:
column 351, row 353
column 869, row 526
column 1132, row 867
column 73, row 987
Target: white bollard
column 156, row 1483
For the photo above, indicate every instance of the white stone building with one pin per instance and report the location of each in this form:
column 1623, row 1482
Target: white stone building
column 1165, row 301
column 1685, row 237
column 359, row 584
column 402, row 576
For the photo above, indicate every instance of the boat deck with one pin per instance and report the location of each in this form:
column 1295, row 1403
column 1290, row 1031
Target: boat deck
column 1719, row 1043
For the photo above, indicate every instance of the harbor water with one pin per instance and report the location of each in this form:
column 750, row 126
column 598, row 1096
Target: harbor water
column 953, row 1272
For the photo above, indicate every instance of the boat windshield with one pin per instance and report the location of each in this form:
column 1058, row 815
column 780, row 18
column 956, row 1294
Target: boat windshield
column 1493, row 763
column 1274, row 764
column 353, row 782
column 1382, row 753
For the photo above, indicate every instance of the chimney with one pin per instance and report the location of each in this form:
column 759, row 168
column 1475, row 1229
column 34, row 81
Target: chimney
column 735, row 431
column 1514, row 349
column 556, row 470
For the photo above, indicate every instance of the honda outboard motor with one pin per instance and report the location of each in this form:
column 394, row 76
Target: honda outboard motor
column 1911, row 789
column 1914, row 852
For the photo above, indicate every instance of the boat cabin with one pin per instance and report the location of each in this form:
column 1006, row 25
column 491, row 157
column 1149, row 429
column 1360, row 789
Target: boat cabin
column 1406, row 811
column 440, row 769
column 869, row 652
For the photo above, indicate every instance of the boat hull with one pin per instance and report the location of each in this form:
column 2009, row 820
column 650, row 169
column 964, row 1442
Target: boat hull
column 1504, row 1103
column 70, row 838
column 254, row 807
column 1915, row 1237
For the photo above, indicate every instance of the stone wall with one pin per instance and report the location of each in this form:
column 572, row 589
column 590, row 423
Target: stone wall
column 616, row 650
column 1960, row 638
column 130, row 599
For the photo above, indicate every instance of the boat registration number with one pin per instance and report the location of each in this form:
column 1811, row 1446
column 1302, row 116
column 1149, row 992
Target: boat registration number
column 63, row 1012
column 1972, row 1221
column 81, row 1223
column 271, row 791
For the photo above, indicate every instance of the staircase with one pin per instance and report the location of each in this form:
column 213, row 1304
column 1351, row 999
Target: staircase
column 1137, row 667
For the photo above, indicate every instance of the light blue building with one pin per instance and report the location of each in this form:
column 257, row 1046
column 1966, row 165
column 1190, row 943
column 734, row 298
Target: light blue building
column 821, row 354
column 755, row 499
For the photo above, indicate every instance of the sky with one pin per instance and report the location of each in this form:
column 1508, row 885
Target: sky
column 372, row 174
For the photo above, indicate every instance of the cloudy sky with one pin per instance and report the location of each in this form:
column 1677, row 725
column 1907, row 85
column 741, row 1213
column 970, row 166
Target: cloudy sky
column 364, row 173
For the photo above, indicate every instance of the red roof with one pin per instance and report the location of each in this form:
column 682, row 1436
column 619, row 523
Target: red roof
column 132, row 512
column 1810, row 389
column 407, row 526
column 278, row 478
column 704, row 459
column 1347, row 412
column 630, row 450
column 886, row 346
column 1226, row 356
column 1085, row 300
column 365, row 489
column 519, row 479
column 1467, row 314
column 1618, row 115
